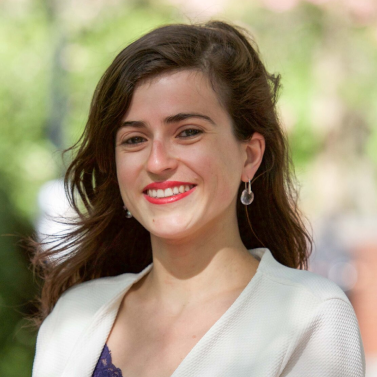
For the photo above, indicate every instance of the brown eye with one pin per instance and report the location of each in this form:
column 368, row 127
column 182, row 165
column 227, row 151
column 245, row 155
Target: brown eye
column 134, row 140
column 189, row 133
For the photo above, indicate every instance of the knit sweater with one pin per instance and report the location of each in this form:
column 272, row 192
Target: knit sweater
column 286, row 322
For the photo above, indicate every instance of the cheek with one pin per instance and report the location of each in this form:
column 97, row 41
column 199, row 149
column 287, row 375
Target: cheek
column 120, row 169
column 126, row 172
column 221, row 168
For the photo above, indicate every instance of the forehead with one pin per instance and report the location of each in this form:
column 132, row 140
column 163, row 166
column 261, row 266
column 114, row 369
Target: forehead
column 187, row 76
column 177, row 91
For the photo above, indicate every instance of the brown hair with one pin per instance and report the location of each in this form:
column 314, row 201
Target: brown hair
column 105, row 243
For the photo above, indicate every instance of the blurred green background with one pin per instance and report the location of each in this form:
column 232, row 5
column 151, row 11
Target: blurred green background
column 53, row 53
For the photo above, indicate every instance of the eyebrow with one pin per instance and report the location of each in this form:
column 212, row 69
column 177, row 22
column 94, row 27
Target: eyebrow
column 171, row 119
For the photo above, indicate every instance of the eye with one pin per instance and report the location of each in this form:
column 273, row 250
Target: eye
column 189, row 132
column 134, row 140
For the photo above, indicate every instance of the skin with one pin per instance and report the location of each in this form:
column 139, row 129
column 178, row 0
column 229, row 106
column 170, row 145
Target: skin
column 200, row 265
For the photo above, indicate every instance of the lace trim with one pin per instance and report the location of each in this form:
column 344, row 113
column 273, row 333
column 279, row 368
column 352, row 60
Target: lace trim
column 105, row 367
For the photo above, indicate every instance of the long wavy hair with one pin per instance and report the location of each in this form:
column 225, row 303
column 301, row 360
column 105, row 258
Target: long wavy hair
column 102, row 241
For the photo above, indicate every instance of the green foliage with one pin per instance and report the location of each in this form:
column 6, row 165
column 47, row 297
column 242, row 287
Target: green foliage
column 16, row 291
column 323, row 57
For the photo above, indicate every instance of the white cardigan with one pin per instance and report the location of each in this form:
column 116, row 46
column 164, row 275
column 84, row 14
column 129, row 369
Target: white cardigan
column 286, row 322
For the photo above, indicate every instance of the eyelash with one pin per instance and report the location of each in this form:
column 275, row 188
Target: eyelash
column 132, row 138
column 191, row 129
column 196, row 132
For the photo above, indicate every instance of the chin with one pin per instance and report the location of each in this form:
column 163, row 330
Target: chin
column 170, row 230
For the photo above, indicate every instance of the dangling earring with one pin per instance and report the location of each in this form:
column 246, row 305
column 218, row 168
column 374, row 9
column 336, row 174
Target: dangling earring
column 128, row 213
column 247, row 195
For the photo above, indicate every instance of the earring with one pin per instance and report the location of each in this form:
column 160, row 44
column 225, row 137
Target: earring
column 247, row 195
column 128, row 213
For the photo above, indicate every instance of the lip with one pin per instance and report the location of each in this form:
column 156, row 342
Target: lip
column 166, row 184
column 168, row 199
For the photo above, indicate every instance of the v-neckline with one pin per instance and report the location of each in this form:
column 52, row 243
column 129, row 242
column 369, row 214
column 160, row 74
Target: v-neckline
column 232, row 308
column 259, row 253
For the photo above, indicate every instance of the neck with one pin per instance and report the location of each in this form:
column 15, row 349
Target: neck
column 201, row 266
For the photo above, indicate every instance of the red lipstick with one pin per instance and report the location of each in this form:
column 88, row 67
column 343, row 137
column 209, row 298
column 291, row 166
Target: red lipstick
column 165, row 185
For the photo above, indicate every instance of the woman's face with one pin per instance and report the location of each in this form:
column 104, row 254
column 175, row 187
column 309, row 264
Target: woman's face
column 178, row 163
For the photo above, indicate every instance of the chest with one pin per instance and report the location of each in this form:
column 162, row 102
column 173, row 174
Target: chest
column 147, row 343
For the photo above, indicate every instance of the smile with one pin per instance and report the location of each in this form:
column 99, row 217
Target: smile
column 169, row 191
column 168, row 195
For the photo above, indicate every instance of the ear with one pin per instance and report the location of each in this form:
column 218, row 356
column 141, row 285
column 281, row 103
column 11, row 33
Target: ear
column 254, row 150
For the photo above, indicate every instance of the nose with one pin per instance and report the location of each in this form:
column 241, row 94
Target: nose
column 160, row 158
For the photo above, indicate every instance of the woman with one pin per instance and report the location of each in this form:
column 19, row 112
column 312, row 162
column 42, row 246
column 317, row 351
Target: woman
column 181, row 124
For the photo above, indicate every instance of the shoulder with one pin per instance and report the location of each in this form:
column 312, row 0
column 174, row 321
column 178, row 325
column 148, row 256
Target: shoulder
column 91, row 295
column 96, row 292
column 316, row 318
column 301, row 282
column 94, row 301
column 78, row 305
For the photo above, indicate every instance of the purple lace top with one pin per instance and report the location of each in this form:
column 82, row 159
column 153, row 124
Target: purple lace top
column 104, row 367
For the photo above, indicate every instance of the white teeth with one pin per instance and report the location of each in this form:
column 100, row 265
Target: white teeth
column 160, row 193
column 152, row 193
column 169, row 191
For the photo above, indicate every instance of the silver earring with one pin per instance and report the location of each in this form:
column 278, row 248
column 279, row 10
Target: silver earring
column 128, row 213
column 247, row 195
